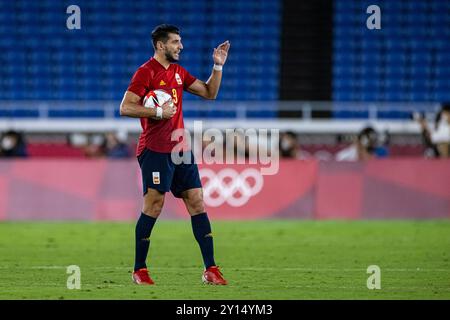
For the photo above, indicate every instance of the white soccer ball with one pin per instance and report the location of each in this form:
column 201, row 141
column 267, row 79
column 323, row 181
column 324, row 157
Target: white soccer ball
column 156, row 98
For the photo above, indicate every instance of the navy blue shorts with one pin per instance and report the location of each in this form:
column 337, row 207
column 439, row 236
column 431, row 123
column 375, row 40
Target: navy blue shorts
column 160, row 173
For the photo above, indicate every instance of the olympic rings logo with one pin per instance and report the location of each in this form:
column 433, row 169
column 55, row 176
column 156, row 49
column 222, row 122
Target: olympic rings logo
column 229, row 186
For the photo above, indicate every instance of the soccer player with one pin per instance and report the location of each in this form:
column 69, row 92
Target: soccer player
column 159, row 173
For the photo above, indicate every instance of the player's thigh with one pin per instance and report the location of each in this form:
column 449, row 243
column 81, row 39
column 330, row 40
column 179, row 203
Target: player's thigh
column 186, row 177
column 157, row 174
column 193, row 199
column 157, row 171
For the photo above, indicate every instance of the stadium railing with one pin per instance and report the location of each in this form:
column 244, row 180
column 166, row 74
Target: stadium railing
column 299, row 116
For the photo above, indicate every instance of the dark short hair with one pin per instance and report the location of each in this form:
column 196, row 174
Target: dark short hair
column 446, row 106
column 161, row 33
column 368, row 136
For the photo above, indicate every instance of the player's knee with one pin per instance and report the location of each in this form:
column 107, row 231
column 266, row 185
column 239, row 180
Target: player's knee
column 153, row 206
column 196, row 204
column 153, row 209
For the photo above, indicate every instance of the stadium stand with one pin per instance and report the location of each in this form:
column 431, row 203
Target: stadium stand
column 407, row 60
column 50, row 62
column 73, row 80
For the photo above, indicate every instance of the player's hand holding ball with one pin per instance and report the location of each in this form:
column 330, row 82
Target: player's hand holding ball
column 162, row 102
column 168, row 109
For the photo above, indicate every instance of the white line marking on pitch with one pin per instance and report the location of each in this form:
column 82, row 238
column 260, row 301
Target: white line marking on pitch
column 245, row 269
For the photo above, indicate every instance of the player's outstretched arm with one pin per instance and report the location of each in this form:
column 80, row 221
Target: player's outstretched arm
column 210, row 88
column 131, row 107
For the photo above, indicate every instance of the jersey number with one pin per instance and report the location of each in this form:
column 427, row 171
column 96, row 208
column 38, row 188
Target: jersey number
column 175, row 96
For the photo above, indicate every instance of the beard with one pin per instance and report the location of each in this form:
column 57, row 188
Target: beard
column 170, row 57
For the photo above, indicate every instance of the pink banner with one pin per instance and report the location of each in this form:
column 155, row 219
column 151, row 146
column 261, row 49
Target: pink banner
column 81, row 189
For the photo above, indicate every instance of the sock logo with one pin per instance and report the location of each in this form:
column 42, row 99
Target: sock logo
column 209, row 235
column 156, row 177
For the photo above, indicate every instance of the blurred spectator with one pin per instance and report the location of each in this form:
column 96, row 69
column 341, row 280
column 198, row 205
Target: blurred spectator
column 436, row 139
column 366, row 146
column 77, row 140
column 111, row 144
column 96, row 146
column 115, row 148
column 208, row 145
column 239, row 144
column 12, row 144
column 289, row 146
column 382, row 148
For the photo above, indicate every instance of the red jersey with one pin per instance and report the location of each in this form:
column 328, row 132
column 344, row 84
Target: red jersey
column 156, row 134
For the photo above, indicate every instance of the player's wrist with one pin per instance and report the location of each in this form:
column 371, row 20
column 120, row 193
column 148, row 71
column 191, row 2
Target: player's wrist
column 217, row 67
column 158, row 112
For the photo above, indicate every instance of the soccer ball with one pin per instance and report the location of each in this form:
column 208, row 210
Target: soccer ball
column 156, row 98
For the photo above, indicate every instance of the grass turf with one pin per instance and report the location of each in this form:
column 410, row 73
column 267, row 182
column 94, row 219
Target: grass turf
column 261, row 259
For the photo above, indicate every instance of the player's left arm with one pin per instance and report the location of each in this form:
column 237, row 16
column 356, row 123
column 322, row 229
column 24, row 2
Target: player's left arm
column 210, row 88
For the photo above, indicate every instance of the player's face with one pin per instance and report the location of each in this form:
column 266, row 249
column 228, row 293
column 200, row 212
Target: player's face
column 173, row 47
column 446, row 116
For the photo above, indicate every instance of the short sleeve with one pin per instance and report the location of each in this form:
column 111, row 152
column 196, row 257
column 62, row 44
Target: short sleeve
column 188, row 79
column 139, row 82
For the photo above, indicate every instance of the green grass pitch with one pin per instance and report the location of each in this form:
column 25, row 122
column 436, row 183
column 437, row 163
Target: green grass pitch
column 269, row 259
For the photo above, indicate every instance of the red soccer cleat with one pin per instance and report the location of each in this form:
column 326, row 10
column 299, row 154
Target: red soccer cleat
column 212, row 275
column 141, row 277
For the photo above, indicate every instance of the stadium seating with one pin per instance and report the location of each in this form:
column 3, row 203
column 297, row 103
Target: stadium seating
column 408, row 60
column 42, row 60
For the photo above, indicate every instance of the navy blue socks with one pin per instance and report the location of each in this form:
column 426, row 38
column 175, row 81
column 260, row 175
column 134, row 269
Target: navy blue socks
column 144, row 228
column 202, row 232
column 200, row 227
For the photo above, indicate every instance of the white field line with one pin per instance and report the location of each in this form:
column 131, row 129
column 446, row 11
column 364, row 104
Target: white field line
column 241, row 269
column 103, row 286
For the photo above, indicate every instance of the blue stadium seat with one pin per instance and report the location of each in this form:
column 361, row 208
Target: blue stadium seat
column 407, row 60
column 98, row 61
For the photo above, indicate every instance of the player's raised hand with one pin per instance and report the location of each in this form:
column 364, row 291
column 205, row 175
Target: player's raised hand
column 169, row 109
column 220, row 53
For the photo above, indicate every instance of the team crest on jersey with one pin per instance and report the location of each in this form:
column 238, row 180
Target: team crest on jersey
column 178, row 78
column 156, row 177
column 162, row 83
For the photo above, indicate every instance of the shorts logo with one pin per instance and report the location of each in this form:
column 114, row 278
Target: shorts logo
column 156, row 178
column 162, row 83
column 177, row 77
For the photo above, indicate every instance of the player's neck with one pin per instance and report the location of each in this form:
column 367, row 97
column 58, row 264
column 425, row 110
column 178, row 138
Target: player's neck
column 162, row 60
